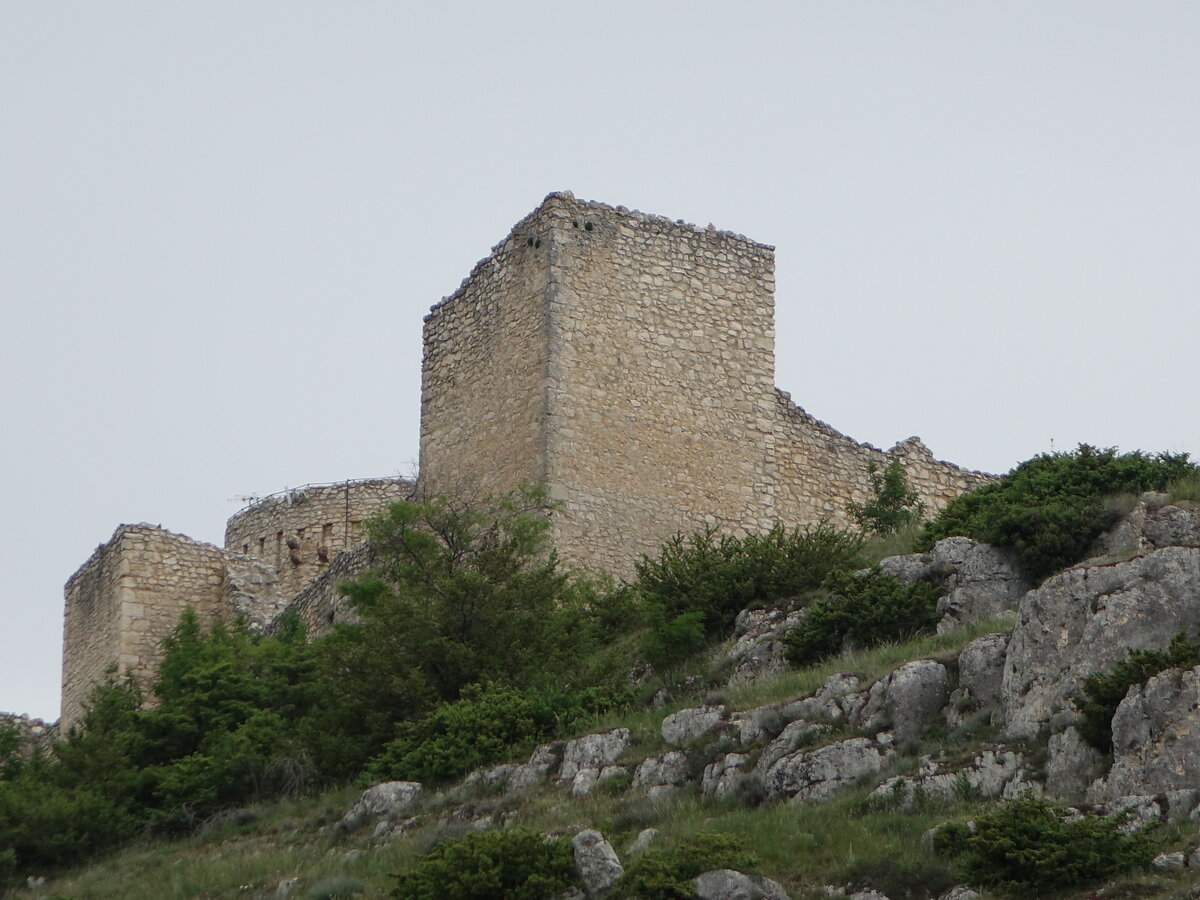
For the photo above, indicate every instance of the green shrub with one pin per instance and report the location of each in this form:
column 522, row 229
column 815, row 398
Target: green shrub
column 486, row 724
column 1103, row 692
column 336, row 888
column 513, row 864
column 717, row 576
column 1049, row 510
column 662, row 874
column 1027, row 846
column 862, row 611
column 894, row 504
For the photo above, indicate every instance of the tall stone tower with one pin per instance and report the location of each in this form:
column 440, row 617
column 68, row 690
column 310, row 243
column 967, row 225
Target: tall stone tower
column 624, row 359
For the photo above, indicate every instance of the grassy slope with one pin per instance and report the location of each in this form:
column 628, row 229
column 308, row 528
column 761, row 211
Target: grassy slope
column 804, row 847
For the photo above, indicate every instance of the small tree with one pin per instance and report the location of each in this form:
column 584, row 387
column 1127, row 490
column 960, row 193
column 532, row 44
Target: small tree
column 895, row 504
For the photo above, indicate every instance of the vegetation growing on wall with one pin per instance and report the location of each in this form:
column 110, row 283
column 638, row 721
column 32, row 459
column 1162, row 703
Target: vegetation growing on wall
column 894, row 504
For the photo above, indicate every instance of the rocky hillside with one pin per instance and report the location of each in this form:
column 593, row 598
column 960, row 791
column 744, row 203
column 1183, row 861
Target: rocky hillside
column 883, row 748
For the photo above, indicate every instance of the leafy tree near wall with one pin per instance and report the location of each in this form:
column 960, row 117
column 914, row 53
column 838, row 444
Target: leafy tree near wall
column 471, row 633
column 893, row 505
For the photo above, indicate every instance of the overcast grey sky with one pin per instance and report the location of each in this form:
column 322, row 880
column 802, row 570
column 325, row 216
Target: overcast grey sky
column 221, row 224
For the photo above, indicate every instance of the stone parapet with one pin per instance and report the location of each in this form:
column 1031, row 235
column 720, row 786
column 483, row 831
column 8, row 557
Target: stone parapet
column 299, row 531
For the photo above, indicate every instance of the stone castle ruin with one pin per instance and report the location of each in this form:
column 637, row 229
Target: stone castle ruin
column 625, row 360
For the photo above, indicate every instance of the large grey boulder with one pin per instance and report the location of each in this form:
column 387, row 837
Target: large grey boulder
column 1156, row 737
column 593, row 751
column 1072, row 765
column 728, row 884
column 758, row 651
column 721, row 776
column 808, row 776
column 496, row 776
column 596, row 863
column 1141, row 810
column 387, row 800
column 587, row 779
column 796, row 735
column 644, row 839
column 980, row 673
column 690, row 724
column 1152, row 526
column 1086, row 620
column 906, row 700
column 763, row 723
column 670, row 768
column 981, row 582
column 841, row 696
column 989, row 775
column 543, row 763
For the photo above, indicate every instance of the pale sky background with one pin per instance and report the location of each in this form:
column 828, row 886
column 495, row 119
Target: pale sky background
column 222, row 222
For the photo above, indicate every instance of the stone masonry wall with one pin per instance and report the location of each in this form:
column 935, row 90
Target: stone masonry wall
column 661, row 348
column 131, row 593
column 299, row 531
column 819, row 470
column 483, row 379
column 321, row 605
column 627, row 360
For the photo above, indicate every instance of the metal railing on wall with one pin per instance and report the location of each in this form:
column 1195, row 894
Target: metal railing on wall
column 292, row 495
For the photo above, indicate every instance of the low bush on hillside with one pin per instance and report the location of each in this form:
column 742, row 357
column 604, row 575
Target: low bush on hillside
column 486, row 723
column 511, row 864
column 1049, row 510
column 1028, row 846
column 667, row 874
column 861, row 610
column 699, row 583
column 1104, row 691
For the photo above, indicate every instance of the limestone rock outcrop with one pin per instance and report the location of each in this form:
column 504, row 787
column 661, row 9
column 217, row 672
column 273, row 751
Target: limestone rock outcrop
column 387, row 800
column 906, row 700
column 592, row 753
column 758, row 651
column 1152, row 526
column 728, row 884
column 1085, row 620
column 980, row 674
column 993, row 773
column 981, row 582
column 1156, row 737
column 808, row 776
column 596, row 863
column 690, row 724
